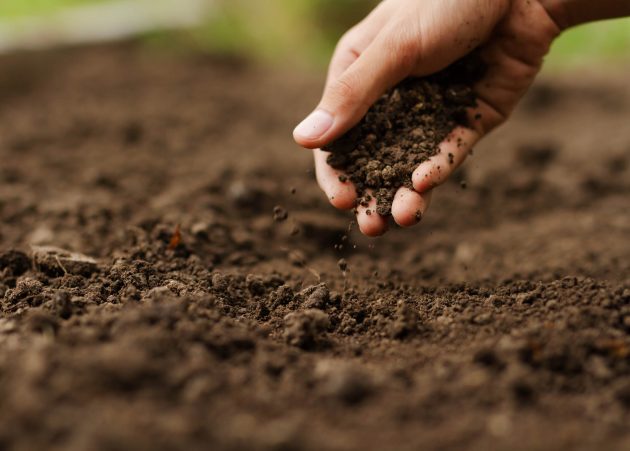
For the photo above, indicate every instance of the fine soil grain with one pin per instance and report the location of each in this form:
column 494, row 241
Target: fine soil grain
column 403, row 129
column 162, row 289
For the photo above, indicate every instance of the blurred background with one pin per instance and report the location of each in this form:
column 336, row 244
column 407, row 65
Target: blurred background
column 300, row 32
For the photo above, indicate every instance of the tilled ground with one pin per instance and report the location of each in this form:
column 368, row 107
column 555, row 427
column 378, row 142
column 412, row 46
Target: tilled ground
column 193, row 320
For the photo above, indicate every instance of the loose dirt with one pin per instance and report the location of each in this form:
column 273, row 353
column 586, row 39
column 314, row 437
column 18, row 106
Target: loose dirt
column 403, row 129
column 152, row 297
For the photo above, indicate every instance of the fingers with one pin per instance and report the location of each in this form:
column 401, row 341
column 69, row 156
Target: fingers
column 514, row 58
column 370, row 222
column 335, row 114
column 503, row 86
column 409, row 207
column 453, row 151
column 386, row 61
column 357, row 39
column 401, row 38
column 342, row 195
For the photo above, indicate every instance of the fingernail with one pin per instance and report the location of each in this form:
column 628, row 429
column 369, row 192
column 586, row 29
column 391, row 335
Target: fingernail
column 314, row 126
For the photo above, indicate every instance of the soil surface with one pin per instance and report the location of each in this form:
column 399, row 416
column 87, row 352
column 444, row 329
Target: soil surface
column 172, row 278
column 403, row 129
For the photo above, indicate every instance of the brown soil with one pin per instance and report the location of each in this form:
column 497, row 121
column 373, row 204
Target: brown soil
column 403, row 129
column 149, row 300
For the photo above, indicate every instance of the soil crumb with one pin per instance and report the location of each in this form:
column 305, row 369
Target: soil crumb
column 403, row 129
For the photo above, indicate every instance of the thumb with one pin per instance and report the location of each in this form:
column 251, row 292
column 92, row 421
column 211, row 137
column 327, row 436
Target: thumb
column 346, row 99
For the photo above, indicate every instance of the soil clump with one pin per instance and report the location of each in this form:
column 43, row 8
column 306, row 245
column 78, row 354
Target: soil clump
column 403, row 129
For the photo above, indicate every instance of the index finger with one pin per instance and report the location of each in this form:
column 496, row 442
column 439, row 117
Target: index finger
column 357, row 39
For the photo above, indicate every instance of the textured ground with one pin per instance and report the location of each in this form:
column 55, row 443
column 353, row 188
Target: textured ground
column 502, row 322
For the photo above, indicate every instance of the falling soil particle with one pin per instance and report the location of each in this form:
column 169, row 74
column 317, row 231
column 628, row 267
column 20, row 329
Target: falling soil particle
column 280, row 214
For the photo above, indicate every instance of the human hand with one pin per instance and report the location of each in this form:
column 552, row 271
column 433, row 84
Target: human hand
column 402, row 38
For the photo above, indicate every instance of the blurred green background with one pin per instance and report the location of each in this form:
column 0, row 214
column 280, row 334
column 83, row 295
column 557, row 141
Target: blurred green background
column 305, row 31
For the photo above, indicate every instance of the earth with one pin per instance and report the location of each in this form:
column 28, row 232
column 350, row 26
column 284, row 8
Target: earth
column 172, row 278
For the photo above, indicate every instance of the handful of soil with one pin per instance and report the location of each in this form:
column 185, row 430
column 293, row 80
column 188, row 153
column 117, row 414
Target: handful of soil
column 403, row 129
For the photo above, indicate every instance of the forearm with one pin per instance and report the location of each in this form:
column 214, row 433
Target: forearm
column 568, row 13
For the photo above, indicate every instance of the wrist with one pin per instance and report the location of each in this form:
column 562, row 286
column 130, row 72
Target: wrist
column 569, row 13
column 557, row 10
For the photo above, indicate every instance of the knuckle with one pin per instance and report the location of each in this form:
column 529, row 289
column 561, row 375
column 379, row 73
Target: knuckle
column 348, row 39
column 343, row 92
column 407, row 51
column 405, row 46
column 350, row 42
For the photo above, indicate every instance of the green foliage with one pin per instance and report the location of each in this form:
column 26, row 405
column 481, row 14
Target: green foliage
column 20, row 8
column 298, row 29
column 307, row 30
column 607, row 42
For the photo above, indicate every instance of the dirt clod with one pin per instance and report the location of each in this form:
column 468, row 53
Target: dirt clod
column 14, row 262
column 304, row 329
column 406, row 321
column 343, row 381
column 55, row 261
column 316, row 296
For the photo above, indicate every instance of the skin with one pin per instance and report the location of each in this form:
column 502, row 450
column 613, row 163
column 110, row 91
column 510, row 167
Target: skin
column 402, row 38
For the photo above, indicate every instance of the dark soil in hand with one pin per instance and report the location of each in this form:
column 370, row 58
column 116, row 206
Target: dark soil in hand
column 403, row 129
column 152, row 297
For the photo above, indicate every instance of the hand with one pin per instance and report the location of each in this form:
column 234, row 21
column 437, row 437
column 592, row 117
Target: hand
column 402, row 38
